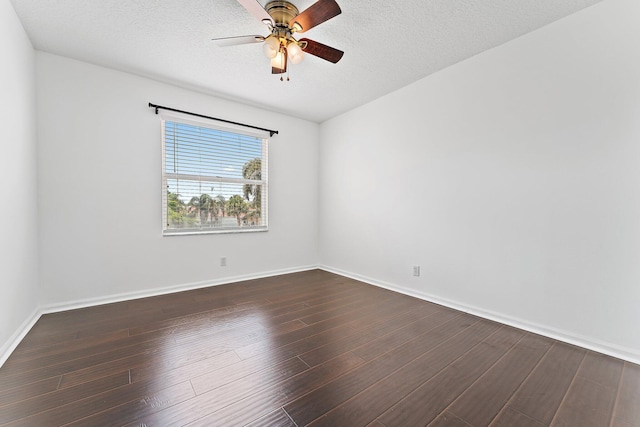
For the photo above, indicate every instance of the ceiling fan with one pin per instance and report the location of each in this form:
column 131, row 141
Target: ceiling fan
column 284, row 20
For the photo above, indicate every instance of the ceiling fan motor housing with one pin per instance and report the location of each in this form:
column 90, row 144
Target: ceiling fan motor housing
column 282, row 12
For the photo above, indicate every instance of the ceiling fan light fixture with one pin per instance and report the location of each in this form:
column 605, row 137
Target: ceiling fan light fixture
column 294, row 52
column 279, row 61
column 271, row 46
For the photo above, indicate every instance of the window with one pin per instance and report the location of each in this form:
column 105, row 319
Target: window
column 214, row 178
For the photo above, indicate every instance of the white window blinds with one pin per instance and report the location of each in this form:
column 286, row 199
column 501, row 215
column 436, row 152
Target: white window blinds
column 214, row 177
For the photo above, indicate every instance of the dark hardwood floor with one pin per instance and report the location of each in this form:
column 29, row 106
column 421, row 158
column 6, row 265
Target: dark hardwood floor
column 310, row 348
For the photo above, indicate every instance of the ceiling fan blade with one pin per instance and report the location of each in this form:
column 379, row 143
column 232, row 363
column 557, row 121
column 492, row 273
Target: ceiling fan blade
column 256, row 10
column 316, row 14
column 239, row 40
column 320, row 50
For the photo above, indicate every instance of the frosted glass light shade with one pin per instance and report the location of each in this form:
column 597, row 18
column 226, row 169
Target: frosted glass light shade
column 295, row 53
column 278, row 61
column 271, row 46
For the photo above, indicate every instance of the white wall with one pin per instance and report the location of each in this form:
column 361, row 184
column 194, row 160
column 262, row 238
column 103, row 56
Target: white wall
column 512, row 179
column 18, row 174
column 100, row 189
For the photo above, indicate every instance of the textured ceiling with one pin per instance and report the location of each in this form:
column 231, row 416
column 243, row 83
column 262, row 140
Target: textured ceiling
column 387, row 45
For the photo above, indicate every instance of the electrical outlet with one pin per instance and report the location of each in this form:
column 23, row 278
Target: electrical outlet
column 223, row 261
column 416, row 270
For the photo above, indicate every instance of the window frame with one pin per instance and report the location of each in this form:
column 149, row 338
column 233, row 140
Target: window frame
column 224, row 127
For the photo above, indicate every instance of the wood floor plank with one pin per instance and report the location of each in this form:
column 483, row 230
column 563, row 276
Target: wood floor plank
column 51, row 400
column 43, row 353
column 23, row 377
column 422, row 404
column 355, row 314
column 252, row 407
column 322, row 400
column 223, row 393
column 384, row 343
column 276, row 354
column 447, row 419
column 111, row 323
column 248, row 385
column 247, row 381
column 621, row 423
column 278, row 418
column 15, row 394
column 38, row 337
column 601, row 369
column 381, row 325
column 108, row 317
column 186, row 370
column 587, row 404
column 365, row 407
column 250, row 330
column 311, row 315
column 542, row 392
column 195, row 318
column 627, row 408
column 326, row 311
column 419, row 321
column 74, row 352
column 88, row 406
column 107, row 363
column 205, row 382
column 176, row 355
column 483, row 400
column 510, row 418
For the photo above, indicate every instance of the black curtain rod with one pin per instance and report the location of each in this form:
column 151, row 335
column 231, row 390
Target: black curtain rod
column 160, row 107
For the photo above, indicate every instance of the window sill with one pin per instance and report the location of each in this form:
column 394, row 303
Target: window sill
column 188, row 232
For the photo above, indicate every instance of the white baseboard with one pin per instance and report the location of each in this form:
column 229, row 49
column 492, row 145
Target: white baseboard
column 18, row 336
column 8, row 347
column 613, row 350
